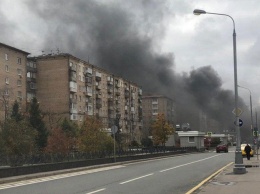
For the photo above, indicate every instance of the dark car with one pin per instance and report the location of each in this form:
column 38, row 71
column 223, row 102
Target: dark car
column 222, row 148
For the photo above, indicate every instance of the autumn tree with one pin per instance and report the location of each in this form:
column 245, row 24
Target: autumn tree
column 92, row 138
column 58, row 142
column 37, row 123
column 161, row 130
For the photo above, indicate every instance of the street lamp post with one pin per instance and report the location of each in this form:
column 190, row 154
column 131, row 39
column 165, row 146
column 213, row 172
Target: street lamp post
column 239, row 167
column 251, row 111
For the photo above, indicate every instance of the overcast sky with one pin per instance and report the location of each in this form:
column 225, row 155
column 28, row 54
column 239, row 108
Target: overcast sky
column 185, row 41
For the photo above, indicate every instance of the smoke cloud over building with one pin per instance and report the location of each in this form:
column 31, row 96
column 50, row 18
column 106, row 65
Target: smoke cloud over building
column 124, row 38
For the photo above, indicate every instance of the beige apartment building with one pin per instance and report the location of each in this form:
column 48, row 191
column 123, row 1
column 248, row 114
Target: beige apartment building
column 67, row 86
column 152, row 106
column 12, row 79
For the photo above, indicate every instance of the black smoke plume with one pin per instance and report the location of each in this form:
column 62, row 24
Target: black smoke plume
column 124, row 38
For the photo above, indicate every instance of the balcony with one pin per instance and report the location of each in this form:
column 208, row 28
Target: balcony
column 73, row 117
column 109, row 90
column 155, row 102
column 98, row 105
column 117, row 93
column 73, row 68
column 127, row 93
column 88, row 71
column 89, row 100
column 98, row 76
column 31, row 69
column 140, row 92
column 30, row 79
column 88, row 81
column 73, row 100
column 110, row 113
column 110, row 99
column 98, row 86
column 110, row 105
column 89, row 93
column 73, row 86
column 109, row 82
column 73, row 111
column 98, row 96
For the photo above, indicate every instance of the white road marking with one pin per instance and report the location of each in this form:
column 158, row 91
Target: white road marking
column 136, row 178
column 190, row 163
column 96, row 191
column 55, row 177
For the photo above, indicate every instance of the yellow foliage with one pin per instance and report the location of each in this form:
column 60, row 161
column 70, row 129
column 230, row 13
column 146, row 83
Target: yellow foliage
column 92, row 138
column 161, row 130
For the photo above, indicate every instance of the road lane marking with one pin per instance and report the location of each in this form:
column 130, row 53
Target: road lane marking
column 207, row 179
column 96, row 191
column 56, row 177
column 136, row 178
column 189, row 163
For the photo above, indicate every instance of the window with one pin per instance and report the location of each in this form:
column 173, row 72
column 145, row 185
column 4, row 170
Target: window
column 191, row 139
column 32, row 86
column 154, row 106
column 19, row 94
column 155, row 101
column 6, row 68
column 19, row 71
column 6, row 92
column 7, row 80
column 31, row 75
column 6, row 57
column 19, row 60
column 19, row 82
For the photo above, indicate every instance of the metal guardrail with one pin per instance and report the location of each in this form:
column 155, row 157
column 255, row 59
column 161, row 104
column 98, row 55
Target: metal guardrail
column 45, row 158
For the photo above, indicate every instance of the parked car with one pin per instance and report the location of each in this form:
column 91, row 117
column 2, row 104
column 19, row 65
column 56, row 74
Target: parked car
column 222, row 148
column 243, row 150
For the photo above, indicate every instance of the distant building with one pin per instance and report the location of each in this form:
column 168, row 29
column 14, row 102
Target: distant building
column 12, row 79
column 152, row 106
column 67, row 86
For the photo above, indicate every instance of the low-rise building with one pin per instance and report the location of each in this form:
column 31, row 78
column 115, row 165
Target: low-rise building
column 154, row 105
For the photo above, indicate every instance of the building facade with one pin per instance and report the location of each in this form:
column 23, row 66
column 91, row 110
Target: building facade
column 154, row 105
column 66, row 86
column 12, row 79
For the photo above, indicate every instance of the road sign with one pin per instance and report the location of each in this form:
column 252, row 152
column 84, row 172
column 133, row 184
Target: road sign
column 238, row 112
column 240, row 122
column 114, row 129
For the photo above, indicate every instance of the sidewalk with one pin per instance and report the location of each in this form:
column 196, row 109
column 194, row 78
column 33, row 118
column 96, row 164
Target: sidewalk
column 226, row 182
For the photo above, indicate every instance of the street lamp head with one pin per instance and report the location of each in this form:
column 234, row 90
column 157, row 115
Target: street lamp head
column 199, row 11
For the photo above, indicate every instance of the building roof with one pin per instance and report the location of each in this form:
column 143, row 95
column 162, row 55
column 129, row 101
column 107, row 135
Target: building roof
column 53, row 55
column 155, row 96
column 13, row 48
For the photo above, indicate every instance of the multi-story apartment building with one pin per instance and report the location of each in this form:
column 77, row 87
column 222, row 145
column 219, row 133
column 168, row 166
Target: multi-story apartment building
column 67, row 86
column 12, row 78
column 154, row 105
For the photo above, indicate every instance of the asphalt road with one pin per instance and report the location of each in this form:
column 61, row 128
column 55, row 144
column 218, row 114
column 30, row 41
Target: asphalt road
column 176, row 175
